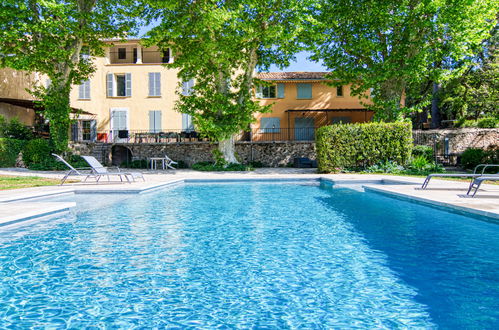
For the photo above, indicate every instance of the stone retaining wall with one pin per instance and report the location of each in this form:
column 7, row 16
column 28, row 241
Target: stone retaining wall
column 270, row 154
column 282, row 153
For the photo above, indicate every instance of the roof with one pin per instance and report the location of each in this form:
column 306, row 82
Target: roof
column 31, row 104
column 291, row 75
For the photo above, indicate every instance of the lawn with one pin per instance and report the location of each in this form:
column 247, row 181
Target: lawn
column 17, row 182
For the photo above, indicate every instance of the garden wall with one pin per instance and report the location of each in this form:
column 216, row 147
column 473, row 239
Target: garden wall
column 270, row 154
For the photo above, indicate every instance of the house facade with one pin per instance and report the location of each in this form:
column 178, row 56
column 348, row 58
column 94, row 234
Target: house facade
column 302, row 102
column 131, row 98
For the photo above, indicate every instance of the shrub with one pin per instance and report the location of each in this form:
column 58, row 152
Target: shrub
column 362, row 145
column 36, row 151
column 385, row 167
column 489, row 122
column 210, row 166
column 14, row 129
column 140, row 163
column 9, row 150
column 471, row 157
column 425, row 151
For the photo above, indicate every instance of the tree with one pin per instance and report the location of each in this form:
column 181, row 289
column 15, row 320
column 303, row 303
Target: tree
column 385, row 46
column 52, row 37
column 219, row 44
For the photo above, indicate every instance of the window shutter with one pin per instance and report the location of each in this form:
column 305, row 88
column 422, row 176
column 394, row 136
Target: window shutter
column 185, row 88
column 128, row 84
column 303, row 91
column 93, row 130
column 81, row 91
column 158, row 84
column 187, row 122
column 270, row 124
column 87, row 89
column 110, row 85
column 280, row 91
column 151, row 121
column 151, row 85
column 259, row 93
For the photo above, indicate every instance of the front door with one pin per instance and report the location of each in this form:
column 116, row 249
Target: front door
column 119, row 125
column 304, row 129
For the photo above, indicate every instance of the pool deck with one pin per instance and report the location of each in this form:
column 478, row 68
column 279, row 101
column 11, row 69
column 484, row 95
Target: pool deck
column 17, row 205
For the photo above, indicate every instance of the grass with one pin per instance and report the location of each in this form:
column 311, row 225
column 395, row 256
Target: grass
column 17, row 182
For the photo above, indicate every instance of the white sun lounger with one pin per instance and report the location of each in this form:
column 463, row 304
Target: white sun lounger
column 169, row 162
column 100, row 170
column 76, row 171
column 475, row 174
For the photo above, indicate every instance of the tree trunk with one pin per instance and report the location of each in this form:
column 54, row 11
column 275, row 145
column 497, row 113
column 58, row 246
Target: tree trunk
column 228, row 149
column 435, row 111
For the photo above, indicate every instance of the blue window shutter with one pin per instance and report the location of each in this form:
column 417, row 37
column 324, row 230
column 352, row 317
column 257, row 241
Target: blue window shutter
column 128, row 84
column 303, row 91
column 110, row 85
column 158, row 121
column 151, row 84
column 185, row 88
column 158, row 84
column 81, row 91
column 270, row 124
column 280, row 91
column 87, row 89
column 93, row 130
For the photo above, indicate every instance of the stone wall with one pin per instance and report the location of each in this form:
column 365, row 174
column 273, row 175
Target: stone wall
column 281, row 153
column 271, row 154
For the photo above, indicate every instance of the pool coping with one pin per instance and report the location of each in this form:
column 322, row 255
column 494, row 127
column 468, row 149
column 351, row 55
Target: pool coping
column 373, row 185
column 32, row 211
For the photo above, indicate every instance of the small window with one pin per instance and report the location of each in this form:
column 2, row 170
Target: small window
column 339, row 91
column 120, row 85
column 88, row 130
column 187, row 87
column 266, row 92
column 303, row 91
column 121, row 53
column 270, row 125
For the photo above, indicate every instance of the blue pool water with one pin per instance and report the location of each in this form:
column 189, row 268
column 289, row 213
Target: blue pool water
column 251, row 255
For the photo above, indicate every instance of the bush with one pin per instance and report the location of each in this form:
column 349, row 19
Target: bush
column 210, row 166
column 36, row 151
column 425, row 151
column 385, row 167
column 489, row 122
column 471, row 157
column 140, row 163
column 362, row 145
column 9, row 150
column 14, row 129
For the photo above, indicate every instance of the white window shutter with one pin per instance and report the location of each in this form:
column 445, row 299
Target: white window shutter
column 110, row 84
column 158, row 84
column 128, row 84
column 151, row 84
column 81, row 91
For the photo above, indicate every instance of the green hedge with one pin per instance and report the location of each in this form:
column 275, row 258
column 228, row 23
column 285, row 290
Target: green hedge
column 361, row 145
column 9, row 150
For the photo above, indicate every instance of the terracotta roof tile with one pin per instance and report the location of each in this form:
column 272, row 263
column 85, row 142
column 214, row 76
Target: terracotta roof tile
column 291, row 75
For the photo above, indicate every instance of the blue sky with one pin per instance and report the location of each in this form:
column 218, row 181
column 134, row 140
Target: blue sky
column 301, row 64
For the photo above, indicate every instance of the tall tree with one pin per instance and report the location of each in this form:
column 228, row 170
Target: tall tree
column 219, row 44
column 384, row 46
column 48, row 37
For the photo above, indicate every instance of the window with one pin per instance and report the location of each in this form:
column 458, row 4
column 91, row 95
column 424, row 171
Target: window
column 187, row 124
column 266, row 92
column 187, row 87
column 119, row 84
column 135, row 55
column 303, row 91
column 155, row 121
column 88, row 130
column 339, row 91
column 166, row 56
column 121, row 53
column 154, row 84
column 270, row 125
column 84, row 90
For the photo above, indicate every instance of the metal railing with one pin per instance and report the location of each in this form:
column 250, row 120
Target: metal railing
column 177, row 136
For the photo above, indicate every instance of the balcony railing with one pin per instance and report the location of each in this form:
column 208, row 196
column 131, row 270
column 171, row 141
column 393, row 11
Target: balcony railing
column 177, row 136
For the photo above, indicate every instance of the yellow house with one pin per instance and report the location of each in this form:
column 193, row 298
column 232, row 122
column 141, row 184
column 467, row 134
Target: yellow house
column 131, row 97
column 301, row 102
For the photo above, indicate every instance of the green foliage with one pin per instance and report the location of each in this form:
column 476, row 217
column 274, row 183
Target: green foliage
column 421, row 166
column 219, row 45
column 210, row 166
column 385, row 167
column 489, row 122
column 362, row 145
column 139, row 163
column 14, row 129
column 51, row 37
column 219, row 158
column 9, row 150
column 425, row 151
column 472, row 157
column 389, row 45
column 36, row 151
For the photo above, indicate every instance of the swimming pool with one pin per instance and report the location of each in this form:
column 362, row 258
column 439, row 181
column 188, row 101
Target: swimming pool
column 284, row 255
